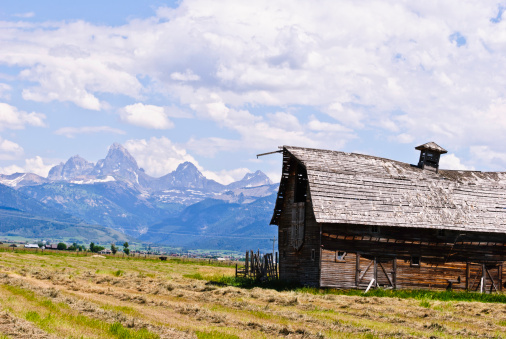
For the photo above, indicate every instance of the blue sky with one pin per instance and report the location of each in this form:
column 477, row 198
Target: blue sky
column 216, row 83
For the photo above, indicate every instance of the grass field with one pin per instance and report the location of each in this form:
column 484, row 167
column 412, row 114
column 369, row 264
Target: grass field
column 66, row 296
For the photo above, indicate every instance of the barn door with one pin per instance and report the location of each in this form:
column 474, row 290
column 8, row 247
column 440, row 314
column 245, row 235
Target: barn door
column 298, row 222
column 485, row 278
column 375, row 270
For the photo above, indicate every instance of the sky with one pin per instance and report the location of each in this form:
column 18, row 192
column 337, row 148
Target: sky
column 217, row 82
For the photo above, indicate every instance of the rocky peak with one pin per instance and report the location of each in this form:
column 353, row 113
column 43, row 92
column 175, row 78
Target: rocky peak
column 118, row 162
column 74, row 167
column 252, row 180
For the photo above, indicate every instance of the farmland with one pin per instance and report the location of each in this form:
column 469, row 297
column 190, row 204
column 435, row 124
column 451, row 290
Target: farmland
column 69, row 296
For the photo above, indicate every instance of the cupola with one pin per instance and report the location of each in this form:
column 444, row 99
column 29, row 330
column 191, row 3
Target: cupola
column 429, row 155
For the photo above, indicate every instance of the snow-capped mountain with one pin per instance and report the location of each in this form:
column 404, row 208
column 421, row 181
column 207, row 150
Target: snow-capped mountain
column 118, row 163
column 17, row 180
column 251, row 180
column 116, row 193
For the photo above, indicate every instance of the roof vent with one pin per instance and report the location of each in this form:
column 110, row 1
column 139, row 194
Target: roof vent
column 429, row 155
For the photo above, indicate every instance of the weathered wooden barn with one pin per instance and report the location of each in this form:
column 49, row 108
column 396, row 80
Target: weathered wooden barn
column 350, row 220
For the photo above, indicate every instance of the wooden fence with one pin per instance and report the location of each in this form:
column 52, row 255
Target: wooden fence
column 260, row 267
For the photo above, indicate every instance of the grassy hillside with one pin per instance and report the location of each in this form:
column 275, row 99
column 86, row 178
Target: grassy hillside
column 95, row 297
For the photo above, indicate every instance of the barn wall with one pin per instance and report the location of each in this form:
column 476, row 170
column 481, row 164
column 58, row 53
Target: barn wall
column 297, row 266
column 443, row 258
column 405, row 242
column 401, row 275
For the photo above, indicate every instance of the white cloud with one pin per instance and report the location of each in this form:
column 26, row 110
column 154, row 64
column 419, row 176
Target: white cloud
column 5, row 91
column 9, row 150
column 452, row 162
column 25, row 15
column 403, row 138
column 379, row 64
column 486, row 156
column 12, row 118
column 148, row 116
column 158, row 156
column 186, row 76
column 32, row 165
column 71, row 132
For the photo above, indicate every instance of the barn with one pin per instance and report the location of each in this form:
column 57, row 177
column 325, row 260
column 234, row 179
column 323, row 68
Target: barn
column 354, row 221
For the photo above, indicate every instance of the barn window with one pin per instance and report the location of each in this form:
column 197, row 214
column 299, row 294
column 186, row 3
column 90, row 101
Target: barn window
column 313, row 254
column 340, row 255
column 375, row 229
column 415, row 261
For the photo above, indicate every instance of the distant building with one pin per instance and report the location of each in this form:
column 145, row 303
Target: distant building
column 105, row 251
column 31, row 246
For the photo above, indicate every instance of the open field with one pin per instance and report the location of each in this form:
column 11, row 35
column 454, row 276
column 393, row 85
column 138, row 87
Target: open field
column 60, row 295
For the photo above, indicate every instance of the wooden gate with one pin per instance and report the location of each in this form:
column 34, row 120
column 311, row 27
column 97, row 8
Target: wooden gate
column 375, row 272
column 485, row 278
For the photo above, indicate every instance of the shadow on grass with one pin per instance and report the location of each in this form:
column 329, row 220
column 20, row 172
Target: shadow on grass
column 279, row 285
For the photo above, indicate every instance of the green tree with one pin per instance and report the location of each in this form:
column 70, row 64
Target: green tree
column 126, row 250
column 92, row 246
column 113, row 249
column 61, row 246
column 98, row 248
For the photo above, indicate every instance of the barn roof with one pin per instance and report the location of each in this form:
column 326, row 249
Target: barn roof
column 350, row 188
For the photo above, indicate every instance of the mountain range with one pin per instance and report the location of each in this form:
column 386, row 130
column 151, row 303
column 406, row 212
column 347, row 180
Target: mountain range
column 182, row 208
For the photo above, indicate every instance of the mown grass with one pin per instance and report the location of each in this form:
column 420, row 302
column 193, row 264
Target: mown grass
column 214, row 335
column 58, row 313
column 424, row 295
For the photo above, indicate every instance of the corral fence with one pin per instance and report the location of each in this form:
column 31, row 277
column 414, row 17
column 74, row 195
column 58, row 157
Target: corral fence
column 260, row 267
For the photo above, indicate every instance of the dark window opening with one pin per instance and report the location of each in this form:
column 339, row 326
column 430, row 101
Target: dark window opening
column 300, row 185
column 313, row 254
column 441, row 233
column 340, row 255
column 415, row 260
column 375, row 229
column 284, row 254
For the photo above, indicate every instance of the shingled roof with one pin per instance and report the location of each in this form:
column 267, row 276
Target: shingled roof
column 349, row 188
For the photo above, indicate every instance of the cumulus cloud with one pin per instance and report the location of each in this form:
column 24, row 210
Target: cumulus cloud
column 411, row 70
column 5, row 91
column 32, row 165
column 148, row 116
column 489, row 157
column 158, row 156
column 9, row 150
column 452, row 162
column 186, row 76
column 12, row 118
column 71, row 132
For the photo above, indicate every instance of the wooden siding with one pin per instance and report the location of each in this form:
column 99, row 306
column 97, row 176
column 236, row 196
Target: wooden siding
column 400, row 274
column 403, row 243
column 297, row 266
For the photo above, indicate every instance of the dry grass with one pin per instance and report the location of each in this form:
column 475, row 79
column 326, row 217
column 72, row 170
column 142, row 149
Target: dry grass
column 68, row 296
